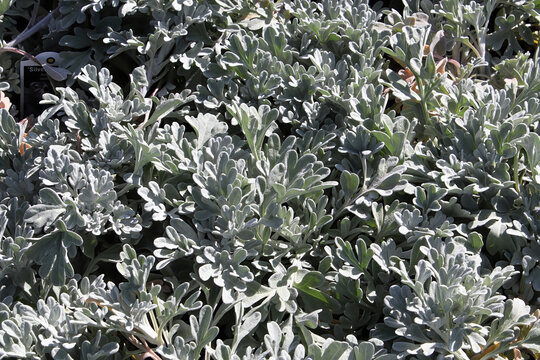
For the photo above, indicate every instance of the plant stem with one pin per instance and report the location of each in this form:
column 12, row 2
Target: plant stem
column 423, row 103
column 221, row 312
column 516, row 172
column 20, row 52
column 29, row 31
column 156, row 326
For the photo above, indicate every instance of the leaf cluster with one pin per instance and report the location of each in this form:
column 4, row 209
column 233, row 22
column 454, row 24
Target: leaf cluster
column 296, row 179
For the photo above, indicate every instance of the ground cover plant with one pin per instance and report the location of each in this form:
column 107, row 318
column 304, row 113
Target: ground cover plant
column 258, row 179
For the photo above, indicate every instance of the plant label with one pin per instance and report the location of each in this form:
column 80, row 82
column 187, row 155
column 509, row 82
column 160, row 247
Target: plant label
column 35, row 83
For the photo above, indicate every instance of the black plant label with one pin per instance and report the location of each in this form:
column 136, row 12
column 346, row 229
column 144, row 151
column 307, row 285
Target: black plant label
column 35, row 83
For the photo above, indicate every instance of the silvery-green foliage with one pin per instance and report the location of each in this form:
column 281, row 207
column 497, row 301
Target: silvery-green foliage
column 15, row 236
column 52, row 250
column 467, row 29
column 133, row 307
column 444, row 307
column 81, row 196
column 17, row 338
column 297, row 179
column 17, row 177
column 95, row 349
column 49, row 329
column 225, row 270
column 201, row 334
column 10, row 79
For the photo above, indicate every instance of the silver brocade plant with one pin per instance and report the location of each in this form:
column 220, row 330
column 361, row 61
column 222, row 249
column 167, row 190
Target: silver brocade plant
column 292, row 179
